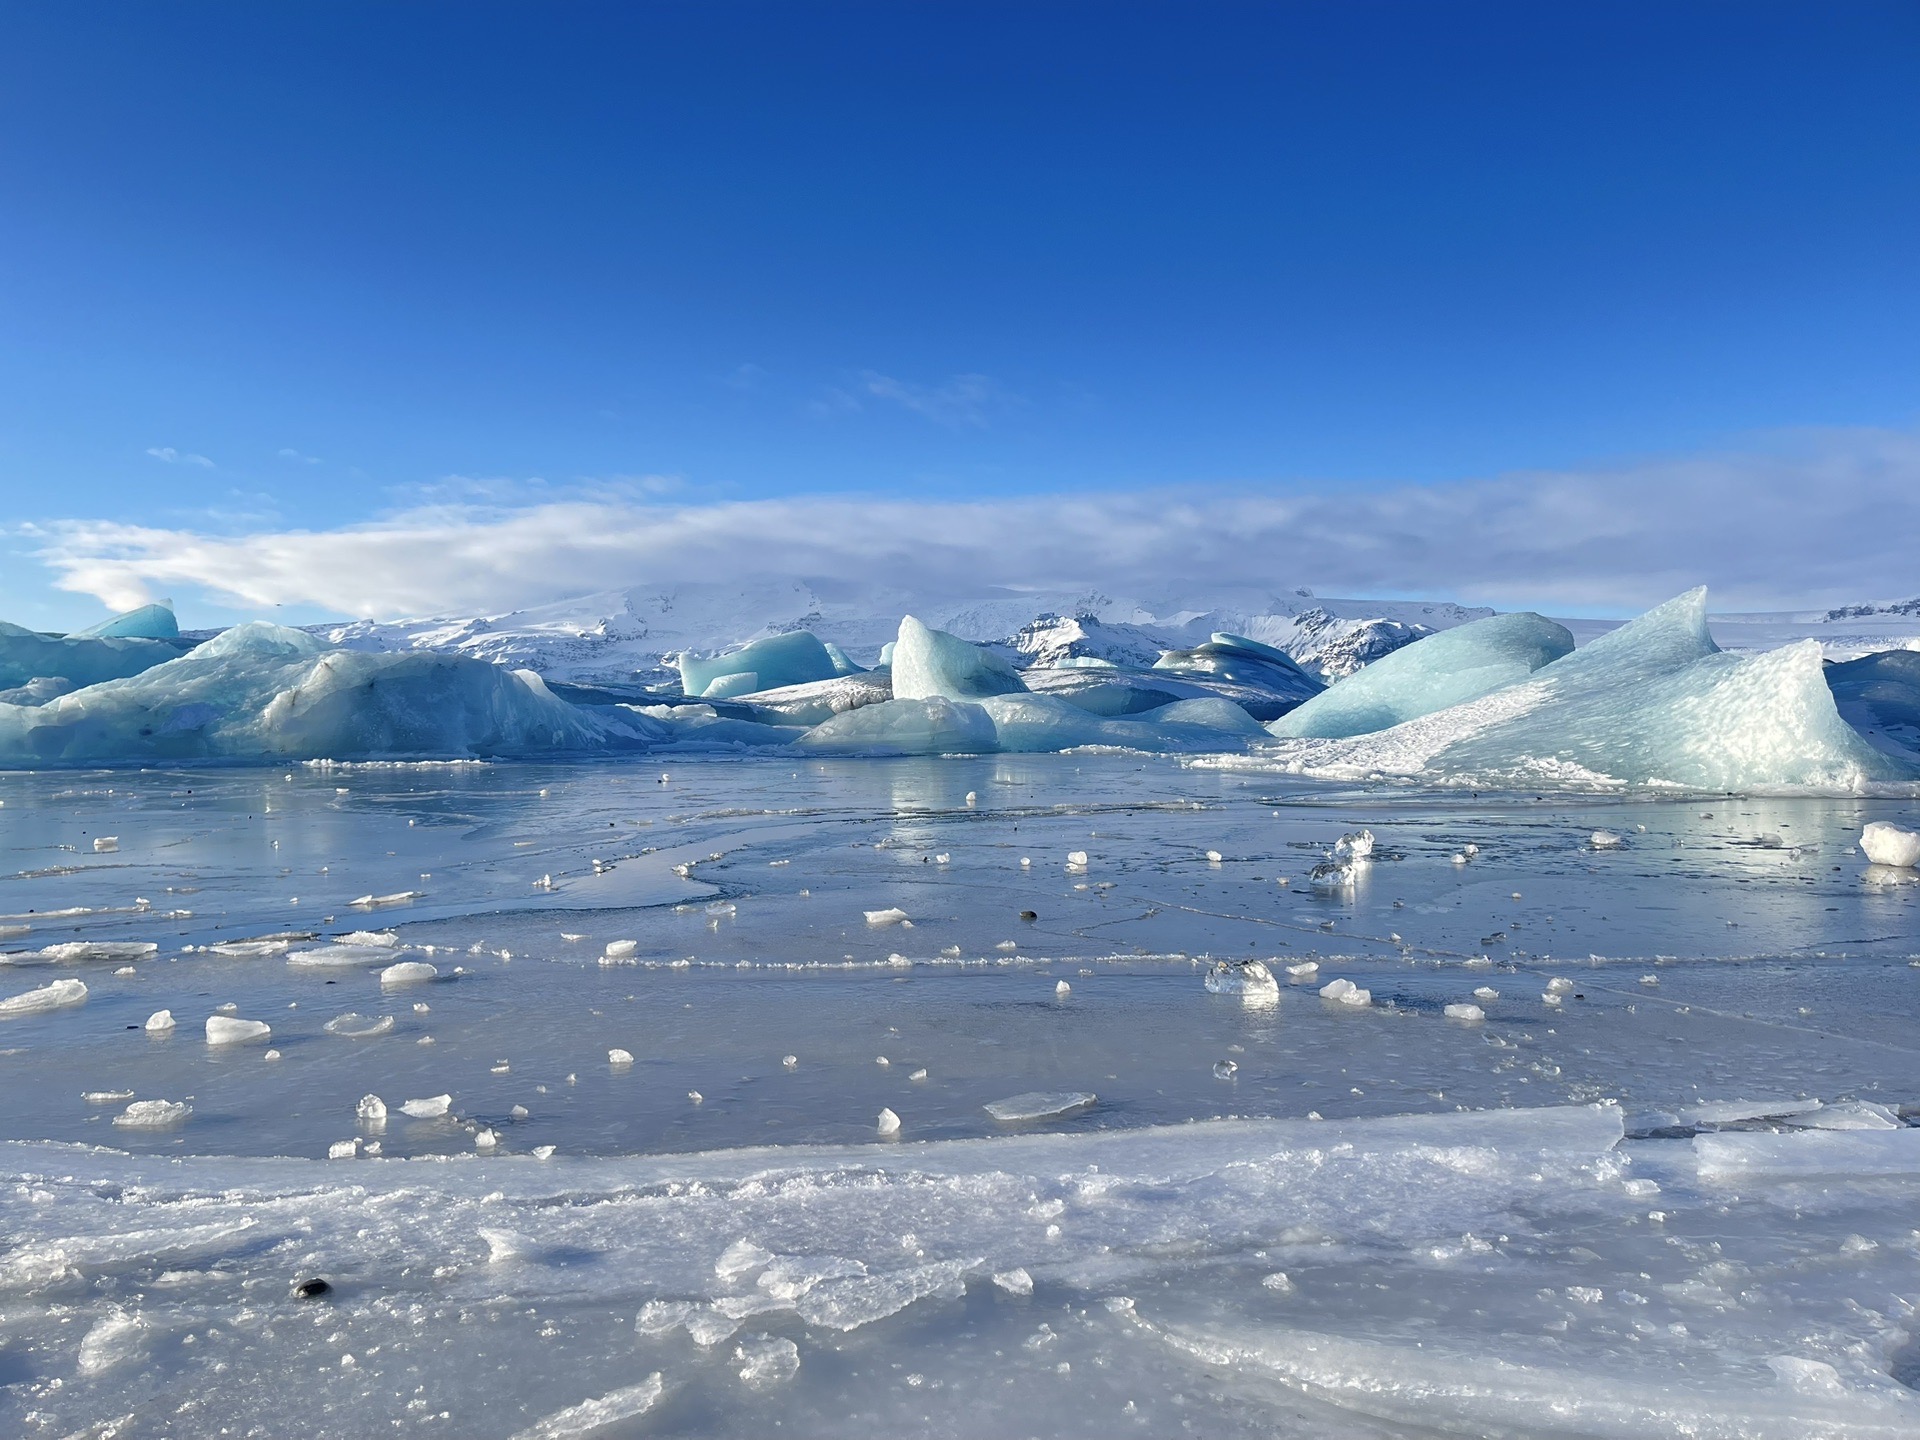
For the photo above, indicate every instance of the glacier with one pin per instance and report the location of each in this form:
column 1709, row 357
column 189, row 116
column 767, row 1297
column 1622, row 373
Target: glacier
column 1653, row 703
column 1430, row 674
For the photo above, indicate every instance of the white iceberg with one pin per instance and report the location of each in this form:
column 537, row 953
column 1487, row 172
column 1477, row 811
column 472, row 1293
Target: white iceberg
column 1654, row 703
column 1431, row 674
column 929, row 664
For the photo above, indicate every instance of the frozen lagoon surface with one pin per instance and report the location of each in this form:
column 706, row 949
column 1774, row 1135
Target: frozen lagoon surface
column 1612, row 1212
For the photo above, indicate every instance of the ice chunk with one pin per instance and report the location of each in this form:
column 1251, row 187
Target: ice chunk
column 889, row 1123
column 339, row 957
column 1303, row 970
column 742, row 1257
column 763, row 1361
column 1465, row 1012
column 1015, row 1281
column 431, row 1108
column 114, row 1340
column 1886, row 844
column 1604, row 840
column 795, row 658
column 929, row 664
column 1431, row 674
column 69, row 952
column 1345, row 992
column 407, row 972
column 1334, row 875
column 1241, row 977
column 57, row 996
column 1732, row 1112
column 593, row 1418
column 619, row 1059
column 621, row 949
column 1355, row 846
column 371, row 1111
column 344, row 1150
column 1040, row 1105
column 1062, row 988
column 152, row 1114
column 227, row 1030
column 374, row 902
column 159, row 1022
column 355, row 1026
column 891, row 916
column 1486, row 994
column 1844, row 1115
column 105, row 844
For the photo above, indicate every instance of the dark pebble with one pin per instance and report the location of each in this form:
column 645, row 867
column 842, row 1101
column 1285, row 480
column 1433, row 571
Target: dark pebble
column 1028, row 915
column 312, row 1289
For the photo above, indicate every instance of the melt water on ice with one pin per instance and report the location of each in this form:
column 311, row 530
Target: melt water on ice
column 1511, row 1130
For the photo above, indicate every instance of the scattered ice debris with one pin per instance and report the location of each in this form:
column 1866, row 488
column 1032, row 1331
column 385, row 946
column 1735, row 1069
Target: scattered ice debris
column 889, row 1123
column 1225, row 1069
column 763, row 1361
column 432, row 1108
column 371, row 1112
column 355, row 1026
column 619, row 1059
column 1486, row 994
column 1015, row 1281
column 1345, row 992
column 1886, row 844
column 1605, row 840
column 160, row 1022
column 1063, row 989
column 407, row 972
column 1040, row 1105
column 226, row 1030
column 1358, row 845
column 374, row 902
column 344, row 1150
column 1465, row 1012
column 598, row 1416
column 891, row 916
column 152, row 1114
column 1278, row 1282
column 106, row 843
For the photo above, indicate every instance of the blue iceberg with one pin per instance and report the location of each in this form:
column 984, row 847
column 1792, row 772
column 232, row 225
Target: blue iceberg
column 779, row 660
column 1431, row 674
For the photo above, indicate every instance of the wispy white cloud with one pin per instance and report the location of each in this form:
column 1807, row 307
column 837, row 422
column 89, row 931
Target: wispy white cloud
column 1813, row 519
column 287, row 452
column 961, row 402
column 178, row 457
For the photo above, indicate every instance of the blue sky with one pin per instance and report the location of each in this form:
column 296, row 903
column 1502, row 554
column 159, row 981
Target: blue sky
column 291, row 268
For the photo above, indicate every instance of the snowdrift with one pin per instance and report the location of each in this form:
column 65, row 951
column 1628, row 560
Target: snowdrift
column 1653, row 703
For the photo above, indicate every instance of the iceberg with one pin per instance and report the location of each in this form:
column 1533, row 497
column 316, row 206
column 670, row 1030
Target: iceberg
column 1879, row 695
column 929, row 664
column 145, row 622
column 1654, row 703
column 30, row 660
column 795, row 658
column 261, row 690
column 1431, row 674
column 1235, row 657
column 1026, row 724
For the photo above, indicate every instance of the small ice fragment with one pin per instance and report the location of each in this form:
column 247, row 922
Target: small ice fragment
column 1355, row 846
column 889, row 1123
column 153, row 1114
column 920, row 1074
column 696, row 1097
column 1486, row 994
column 1076, row 859
column 1559, row 985
column 57, row 996
column 431, row 1108
column 1345, row 992
column 160, row 1022
column 1241, row 977
column 1846, row 1115
column 1459, row 858
column 1604, row 840
column 740, row 1258
column 105, row 843
column 764, row 1361
column 543, row 1152
column 1303, row 970
column 1649, row 979
column 1278, row 1281
column 571, row 938
column 1225, row 1069
column 1551, row 997
column 1063, row 989
column 1026, row 862
column 355, row 1026
column 620, row 949
column 1470, row 850
column 890, row 916
column 972, row 798
column 344, row 1150
column 371, row 1111
column 106, row 1097
column 520, row 1112
column 1885, row 844
column 1015, row 1281
column 1040, row 1105
column 1334, row 875
column 1465, row 1012
column 942, row 859
column 113, row 1340
column 225, row 1030
column 372, row 902
column 600, row 1415
column 270, row 1055
column 790, row 1061
column 407, row 972
column 486, row 1139
column 420, row 1007
column 619, row 1059
column 1214, row 857
column 881, row 1060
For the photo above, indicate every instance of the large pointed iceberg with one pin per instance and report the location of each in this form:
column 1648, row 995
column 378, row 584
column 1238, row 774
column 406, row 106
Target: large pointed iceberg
column 1652, row 703
column 1431, row 674
column 146, row 622
column 929, row 663
column 262, row 691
